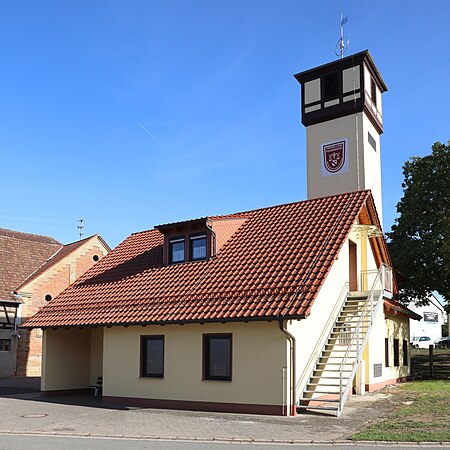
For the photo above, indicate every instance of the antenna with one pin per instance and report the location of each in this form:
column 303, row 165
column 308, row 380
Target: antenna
column 80, row 227
column 343, row 41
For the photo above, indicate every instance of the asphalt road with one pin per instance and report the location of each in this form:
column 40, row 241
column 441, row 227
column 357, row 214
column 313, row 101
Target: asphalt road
column 23, row 442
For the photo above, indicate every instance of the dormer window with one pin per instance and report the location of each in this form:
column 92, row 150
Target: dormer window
column 176, row 250
column 188, row 241
column 197, row 247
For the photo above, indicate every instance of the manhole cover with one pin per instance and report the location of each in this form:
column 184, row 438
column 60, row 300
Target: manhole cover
column 34, row 416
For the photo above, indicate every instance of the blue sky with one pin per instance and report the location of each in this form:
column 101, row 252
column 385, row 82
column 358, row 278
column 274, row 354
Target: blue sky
column 134, row 113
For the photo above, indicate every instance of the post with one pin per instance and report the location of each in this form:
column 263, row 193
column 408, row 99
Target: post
column 361, row 378
column 430, row 356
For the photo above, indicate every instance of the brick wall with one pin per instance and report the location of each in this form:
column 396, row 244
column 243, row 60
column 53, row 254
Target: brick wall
column 51, row 283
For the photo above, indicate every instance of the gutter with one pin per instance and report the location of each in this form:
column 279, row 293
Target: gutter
column 292, row 348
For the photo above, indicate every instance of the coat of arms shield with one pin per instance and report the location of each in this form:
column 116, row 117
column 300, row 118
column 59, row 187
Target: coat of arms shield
column 334, row 156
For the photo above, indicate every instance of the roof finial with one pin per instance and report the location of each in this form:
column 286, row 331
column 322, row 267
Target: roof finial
column 343, row 42
column 80, row 227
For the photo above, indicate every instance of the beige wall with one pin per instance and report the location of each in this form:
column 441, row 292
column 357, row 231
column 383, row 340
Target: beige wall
column 392, row 327
column 66, row 359
column 354, row 128
column 332, row 130
column 96, row 356
column 259, row 353
column 372, row 165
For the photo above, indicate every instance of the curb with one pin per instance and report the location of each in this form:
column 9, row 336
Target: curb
column 341, row 442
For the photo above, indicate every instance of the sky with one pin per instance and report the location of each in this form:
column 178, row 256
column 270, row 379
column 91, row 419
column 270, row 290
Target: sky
column 129, row 114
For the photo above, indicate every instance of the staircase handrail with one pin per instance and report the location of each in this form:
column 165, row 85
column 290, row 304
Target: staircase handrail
column 326, row 330
column 356, row 333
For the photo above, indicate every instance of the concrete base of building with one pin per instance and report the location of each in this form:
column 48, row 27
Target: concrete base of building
column 277, row 410
column 64, row 392
column 377, row 386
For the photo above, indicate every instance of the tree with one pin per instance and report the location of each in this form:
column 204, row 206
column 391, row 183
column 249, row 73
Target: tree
column 419, row 241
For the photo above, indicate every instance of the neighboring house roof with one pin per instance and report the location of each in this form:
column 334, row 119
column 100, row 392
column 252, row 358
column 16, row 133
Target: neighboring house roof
column 272, row 266
column 63, row 251
column 20, row 255
column 397, row 308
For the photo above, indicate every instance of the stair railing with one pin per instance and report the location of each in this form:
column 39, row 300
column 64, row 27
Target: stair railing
column 369, row 310
column 323, row 338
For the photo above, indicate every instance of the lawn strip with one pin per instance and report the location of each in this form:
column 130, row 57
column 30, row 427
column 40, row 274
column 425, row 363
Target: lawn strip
column 423, row 414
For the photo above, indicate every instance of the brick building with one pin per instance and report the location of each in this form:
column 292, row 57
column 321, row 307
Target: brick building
column 33, row 270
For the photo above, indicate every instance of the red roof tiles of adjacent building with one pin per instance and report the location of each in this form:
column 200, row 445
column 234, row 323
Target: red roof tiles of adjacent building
column 20, row 255
column 273, row 265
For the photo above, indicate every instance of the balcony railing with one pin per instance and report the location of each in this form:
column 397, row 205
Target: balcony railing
column 378, row 279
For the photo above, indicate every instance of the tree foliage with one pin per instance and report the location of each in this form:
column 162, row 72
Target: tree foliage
column 420, row 238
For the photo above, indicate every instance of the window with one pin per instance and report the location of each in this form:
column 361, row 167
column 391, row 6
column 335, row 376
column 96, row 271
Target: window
column 373, row 91
column 396, row 353
column 405, row 352
column 372, row 141
column 386, row 352
column 197, row 247
column 331, row 86
column 152, row 350
column 176, row 250
column 5, row 345
column 217, row 357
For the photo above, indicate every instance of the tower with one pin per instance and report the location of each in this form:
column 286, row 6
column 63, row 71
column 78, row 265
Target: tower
column 342, row 113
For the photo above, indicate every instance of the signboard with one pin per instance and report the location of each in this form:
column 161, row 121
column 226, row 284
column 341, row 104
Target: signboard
column 430, row 317
column 334, row 157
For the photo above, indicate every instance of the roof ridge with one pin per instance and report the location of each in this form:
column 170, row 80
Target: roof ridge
column 250, row 211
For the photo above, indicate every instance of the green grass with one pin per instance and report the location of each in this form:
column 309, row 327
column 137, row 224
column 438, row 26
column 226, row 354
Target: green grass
column 423, row 414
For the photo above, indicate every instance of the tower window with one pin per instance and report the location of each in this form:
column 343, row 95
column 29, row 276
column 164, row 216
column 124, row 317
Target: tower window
column 373, row 91
column 176, row 250
column 48, row 297
column 331, row 86
column 372, row 141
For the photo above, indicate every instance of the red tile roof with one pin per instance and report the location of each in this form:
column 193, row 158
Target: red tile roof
column 20, row 255
column 274, row 264
column 397, row 308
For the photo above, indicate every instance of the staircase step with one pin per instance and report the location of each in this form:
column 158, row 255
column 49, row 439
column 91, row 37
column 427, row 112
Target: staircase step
column 331, row 370
column 321, row 400
column 328, row 408
column 328, row 378
column 315, row 391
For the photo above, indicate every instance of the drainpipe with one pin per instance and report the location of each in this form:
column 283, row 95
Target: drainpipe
column 213, row 250
column 292, row 386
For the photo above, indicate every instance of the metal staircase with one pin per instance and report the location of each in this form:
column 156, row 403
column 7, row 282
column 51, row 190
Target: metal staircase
column 331, row 378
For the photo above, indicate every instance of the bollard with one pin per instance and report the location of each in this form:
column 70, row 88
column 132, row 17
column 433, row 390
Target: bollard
column 430, row 357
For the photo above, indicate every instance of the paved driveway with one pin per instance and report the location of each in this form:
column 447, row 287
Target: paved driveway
column 28, row 412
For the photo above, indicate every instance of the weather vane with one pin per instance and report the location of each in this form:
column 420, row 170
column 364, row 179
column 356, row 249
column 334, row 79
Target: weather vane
column 343, row 42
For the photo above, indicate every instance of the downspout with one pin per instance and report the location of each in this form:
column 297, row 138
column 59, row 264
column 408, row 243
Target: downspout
column 214, row 249
column 292, row 343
